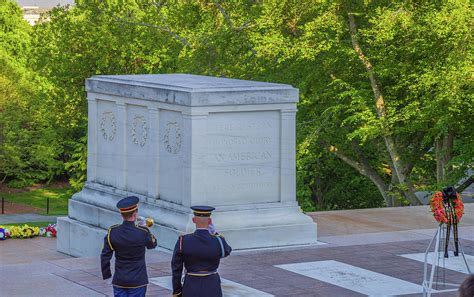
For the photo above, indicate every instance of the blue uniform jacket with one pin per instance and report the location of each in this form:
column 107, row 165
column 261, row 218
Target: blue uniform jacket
column 128, row 242
column 199, row 253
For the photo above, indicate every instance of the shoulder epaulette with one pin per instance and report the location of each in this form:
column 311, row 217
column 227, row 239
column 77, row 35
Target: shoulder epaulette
column 143, row 228
column 217, row 234
column 108, row 235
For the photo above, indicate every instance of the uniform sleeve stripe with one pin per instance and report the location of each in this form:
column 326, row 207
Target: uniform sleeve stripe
column 108, row 235
column 108, row 239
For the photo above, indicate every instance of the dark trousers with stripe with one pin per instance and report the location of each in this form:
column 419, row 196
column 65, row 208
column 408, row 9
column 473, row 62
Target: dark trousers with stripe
column 129, row 292
column 202, row 286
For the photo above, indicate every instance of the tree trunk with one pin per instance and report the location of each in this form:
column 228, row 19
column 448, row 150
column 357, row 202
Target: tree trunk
column 319, row 192
column 443, row 153
column 448, row 143
column 383, row 189
column 439, row 160
column 381, row 113
column 394, row 182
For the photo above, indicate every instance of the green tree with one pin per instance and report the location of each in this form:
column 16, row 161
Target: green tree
column 28, row 150
column 386, row 86
column 365, row 70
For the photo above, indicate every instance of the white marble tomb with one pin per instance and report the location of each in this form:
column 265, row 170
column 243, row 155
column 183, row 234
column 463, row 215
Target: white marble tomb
column 176, row 140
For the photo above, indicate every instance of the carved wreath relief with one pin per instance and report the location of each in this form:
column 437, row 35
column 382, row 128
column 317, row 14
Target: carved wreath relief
column 108, row 125
column 140, row 124
column 172, row 138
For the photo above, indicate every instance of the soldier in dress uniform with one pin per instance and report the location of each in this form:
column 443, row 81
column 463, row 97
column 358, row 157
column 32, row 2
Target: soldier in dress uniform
column 128, row 241
column 200, row 254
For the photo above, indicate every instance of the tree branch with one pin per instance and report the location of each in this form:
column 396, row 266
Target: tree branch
column 166, row 29
column 224, row 14
column 158, row 4
column 229, row 20
column 366, row 170
column 245, row 25
column 354, row 164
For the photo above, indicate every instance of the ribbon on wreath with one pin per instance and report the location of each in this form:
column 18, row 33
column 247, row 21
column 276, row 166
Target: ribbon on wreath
column 450, row 197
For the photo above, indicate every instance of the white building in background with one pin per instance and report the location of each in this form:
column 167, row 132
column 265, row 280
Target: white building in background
column 32, row 9
column 32, row 14
column 44, row 3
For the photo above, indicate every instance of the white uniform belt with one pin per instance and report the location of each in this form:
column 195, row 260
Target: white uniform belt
column 201, row 273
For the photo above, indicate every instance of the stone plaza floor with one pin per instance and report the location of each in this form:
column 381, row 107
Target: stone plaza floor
column 373, row 252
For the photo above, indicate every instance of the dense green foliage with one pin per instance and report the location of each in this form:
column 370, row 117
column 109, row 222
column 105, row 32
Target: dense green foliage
column 30, row 149
column 386, row 86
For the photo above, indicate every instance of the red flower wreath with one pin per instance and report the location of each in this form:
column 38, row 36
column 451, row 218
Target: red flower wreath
column 439, row 213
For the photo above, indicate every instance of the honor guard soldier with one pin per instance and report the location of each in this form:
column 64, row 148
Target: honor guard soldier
column 200, row 254
column 128, row 241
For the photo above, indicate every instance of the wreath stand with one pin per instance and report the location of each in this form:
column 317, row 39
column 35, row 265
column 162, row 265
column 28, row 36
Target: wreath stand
column 439, row 239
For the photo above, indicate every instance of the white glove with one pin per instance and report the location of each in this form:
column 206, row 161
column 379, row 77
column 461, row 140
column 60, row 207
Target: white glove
column 141, row 221
column 212, row 229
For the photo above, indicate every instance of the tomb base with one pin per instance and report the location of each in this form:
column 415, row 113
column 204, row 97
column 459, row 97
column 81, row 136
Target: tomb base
column 92, row 211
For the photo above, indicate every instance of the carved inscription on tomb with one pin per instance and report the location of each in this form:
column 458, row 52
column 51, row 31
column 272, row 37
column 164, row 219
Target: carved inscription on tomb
column 252, row 125
column 236, row 140
column 139, row 130
column 243, row 155
column 242, row 186
column 108, row 125
column 247, row 171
